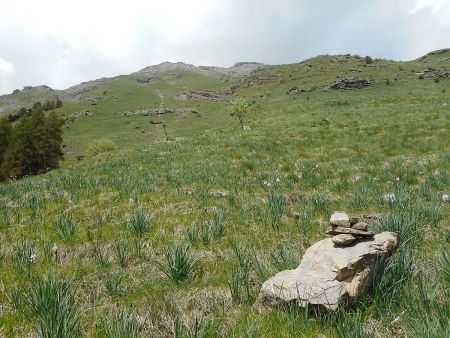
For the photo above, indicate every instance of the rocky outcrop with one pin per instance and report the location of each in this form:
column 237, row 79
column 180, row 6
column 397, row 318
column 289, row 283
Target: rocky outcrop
column 296, row 90
column 433, row 73
column 435, row 52
column 148, row 112
column 163, row 111
column 349, row 83
column 204, row 95
column 328, row 275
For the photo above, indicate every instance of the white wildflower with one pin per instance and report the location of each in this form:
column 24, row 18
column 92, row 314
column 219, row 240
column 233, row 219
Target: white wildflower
column 54, row 247
column 277, row 180
column 445, row 197
column 397, row 179
column 265, row 183
column 389, row 197
column 396, row 320
column 32, row 258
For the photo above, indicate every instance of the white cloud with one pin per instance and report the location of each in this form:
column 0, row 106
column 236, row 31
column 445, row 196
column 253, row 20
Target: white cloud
column 7, row 72
column 434, row 5
column 6, row 68
column 63, row 42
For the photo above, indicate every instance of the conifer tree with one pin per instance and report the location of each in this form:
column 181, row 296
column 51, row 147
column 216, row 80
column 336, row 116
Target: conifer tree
column 39, row 140
column 53, row 133
column 33, row 145
column 5, row 138
column 18, row 158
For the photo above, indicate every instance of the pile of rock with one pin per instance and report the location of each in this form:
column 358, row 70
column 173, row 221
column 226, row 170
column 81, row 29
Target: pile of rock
column 433, row 73
column 349, row 83
column 331, row 273
column 346, row 230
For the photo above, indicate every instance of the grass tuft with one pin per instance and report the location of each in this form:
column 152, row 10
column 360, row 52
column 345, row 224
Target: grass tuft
column 178, row 264
column 51, row 302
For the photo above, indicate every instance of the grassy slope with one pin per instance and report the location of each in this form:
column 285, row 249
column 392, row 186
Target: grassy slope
column 380, row 133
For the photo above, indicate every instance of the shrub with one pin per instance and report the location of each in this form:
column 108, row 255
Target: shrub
column 368, row 60
column 100, row 146
column 239, row 109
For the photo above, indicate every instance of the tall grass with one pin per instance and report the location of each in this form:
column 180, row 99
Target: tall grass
column 283, row 260
column 120, row 248
column 22, row 255
column 178, row 263
column 139, row 224
column 65, row 227
column 218, row 225
column 200, row 327
column 428, row 307
column 271, row 212
column 239, row 285
column 114, row 284
column 51, row 302
column 121, row 324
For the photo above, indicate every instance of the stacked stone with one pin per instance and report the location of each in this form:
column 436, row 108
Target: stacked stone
column 346, row 230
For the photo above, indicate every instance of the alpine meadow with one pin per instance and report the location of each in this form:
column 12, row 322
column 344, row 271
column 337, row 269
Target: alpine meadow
column 167, row 202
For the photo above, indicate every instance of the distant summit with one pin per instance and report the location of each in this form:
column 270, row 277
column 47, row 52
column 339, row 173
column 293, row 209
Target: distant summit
column 433, row 53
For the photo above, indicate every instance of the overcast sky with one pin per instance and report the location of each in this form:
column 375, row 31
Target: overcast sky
column 63, row 42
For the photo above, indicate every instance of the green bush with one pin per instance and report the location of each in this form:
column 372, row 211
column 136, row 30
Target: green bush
column 368, row 60
column 240, row 109
column 100, row 146
column 30, row 146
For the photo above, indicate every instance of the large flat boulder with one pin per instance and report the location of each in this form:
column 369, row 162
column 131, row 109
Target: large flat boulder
column 328, row 275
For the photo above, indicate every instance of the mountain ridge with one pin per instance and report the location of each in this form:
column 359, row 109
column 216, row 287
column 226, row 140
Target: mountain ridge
column 9, row 103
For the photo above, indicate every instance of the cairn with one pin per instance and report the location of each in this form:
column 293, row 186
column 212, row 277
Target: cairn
column 346, row 230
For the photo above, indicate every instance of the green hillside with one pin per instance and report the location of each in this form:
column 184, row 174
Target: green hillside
column 106, row 222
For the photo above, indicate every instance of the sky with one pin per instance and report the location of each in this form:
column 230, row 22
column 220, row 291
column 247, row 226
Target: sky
column 61, row 43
